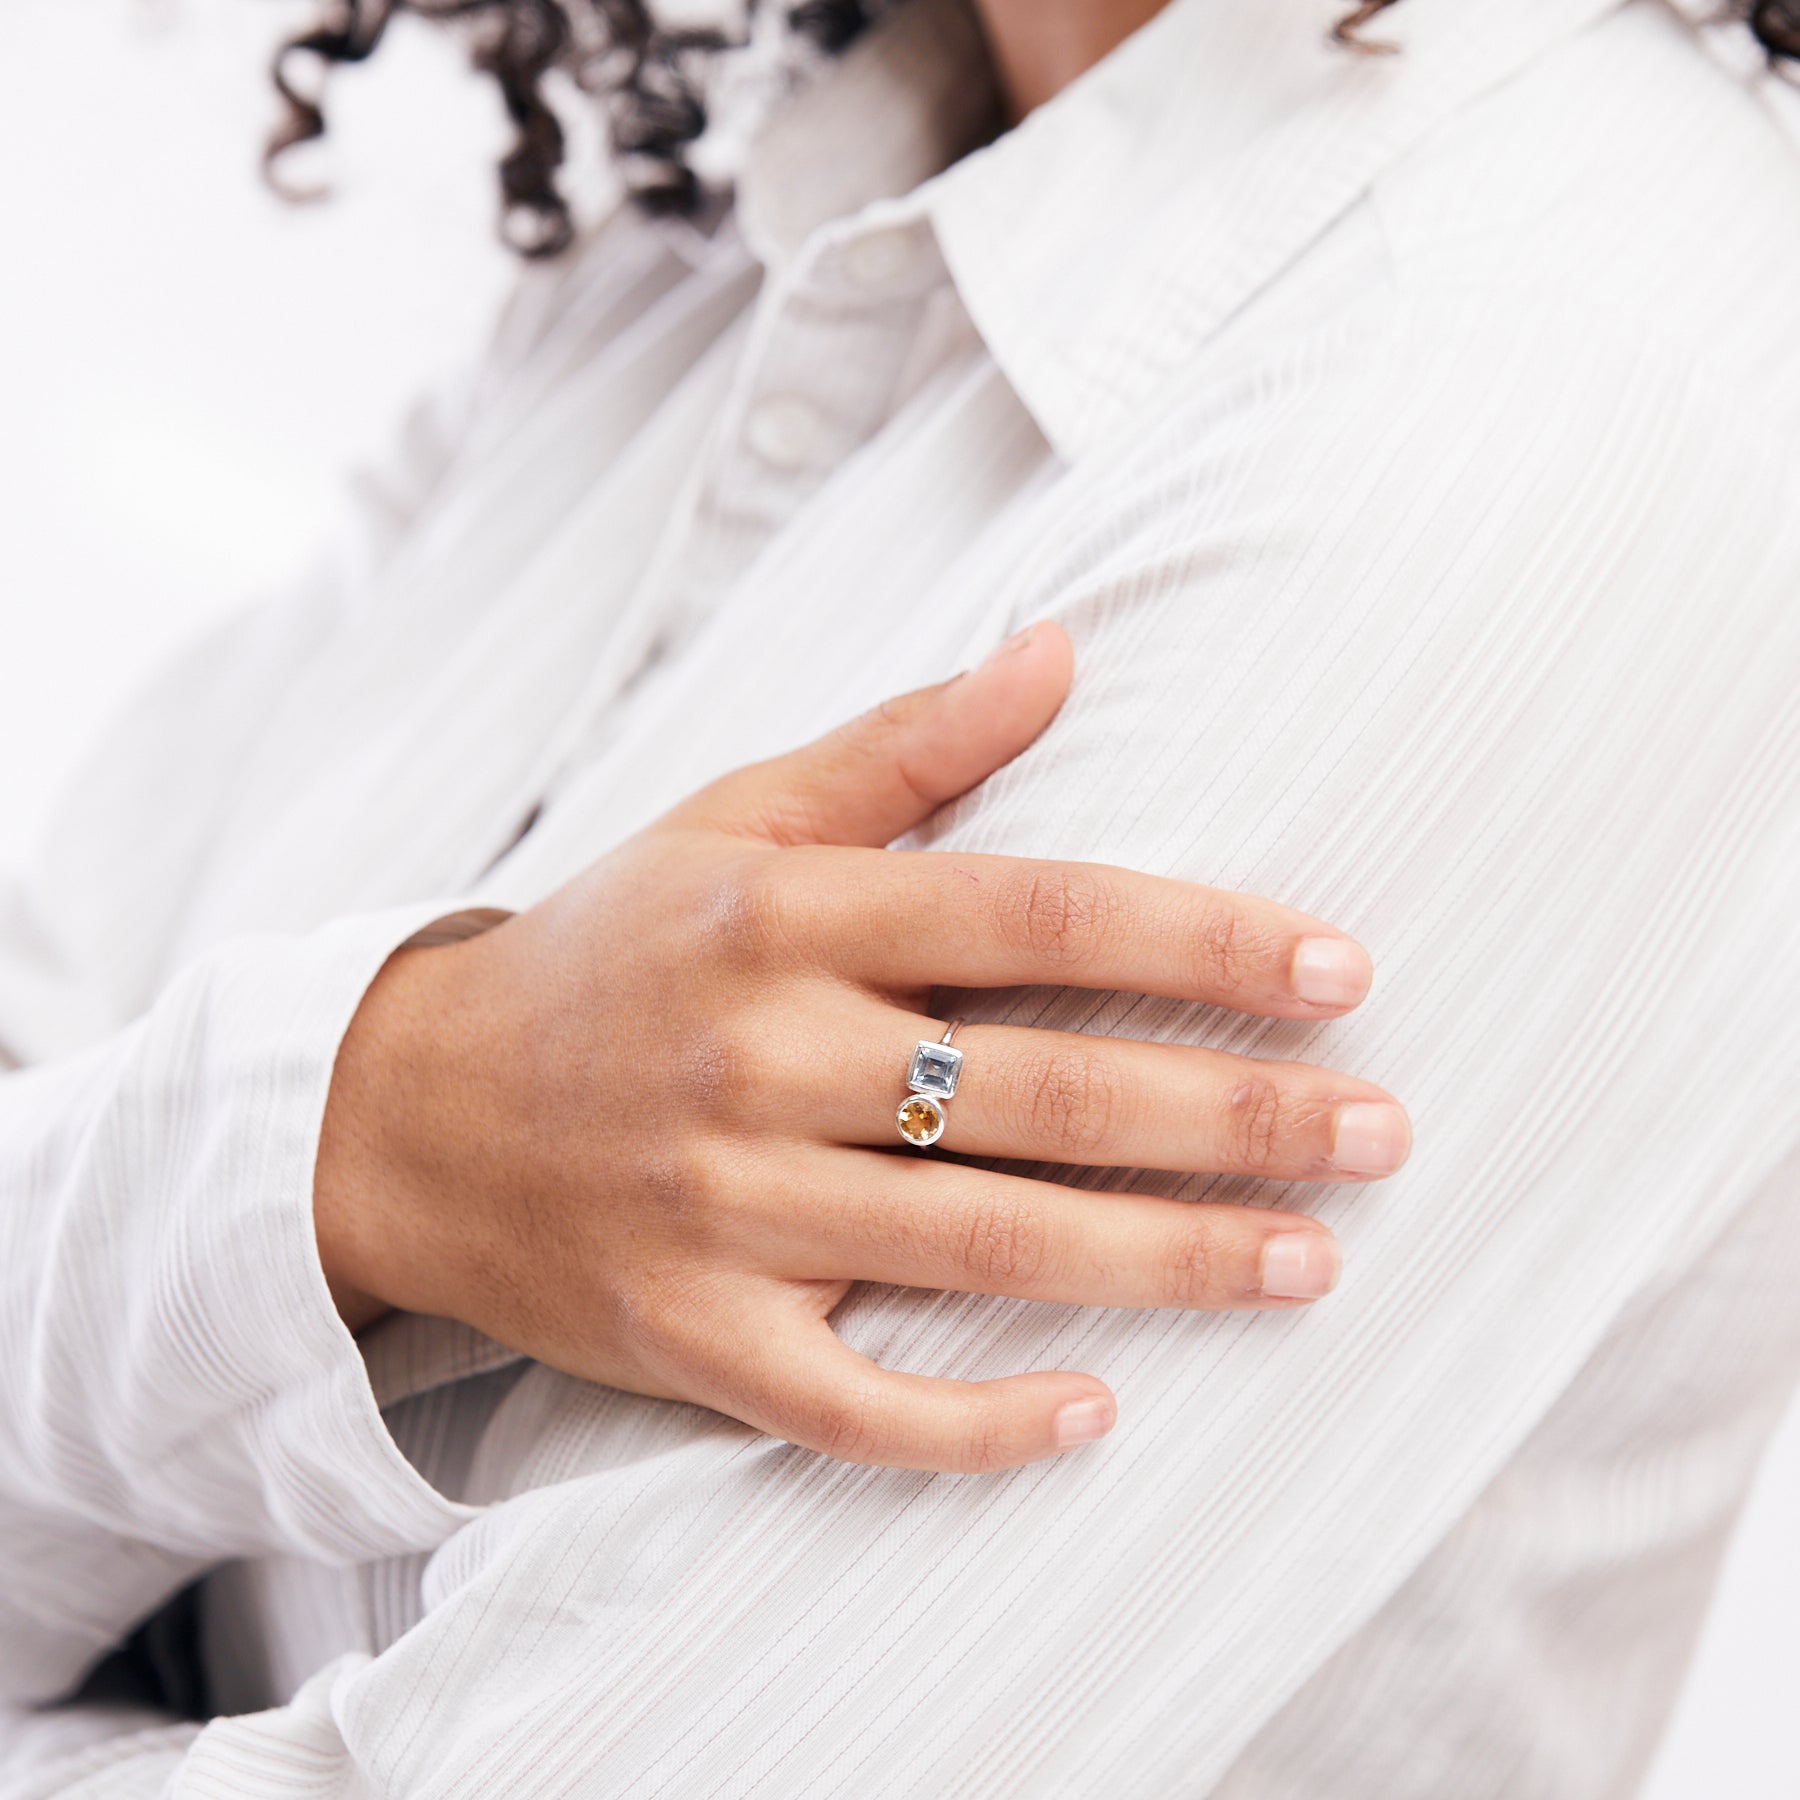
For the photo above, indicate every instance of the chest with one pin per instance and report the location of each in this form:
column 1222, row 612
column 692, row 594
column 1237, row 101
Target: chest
column 713, row 526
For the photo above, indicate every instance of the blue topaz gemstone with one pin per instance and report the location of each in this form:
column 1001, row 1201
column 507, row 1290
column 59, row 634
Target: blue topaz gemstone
column 935, row 1070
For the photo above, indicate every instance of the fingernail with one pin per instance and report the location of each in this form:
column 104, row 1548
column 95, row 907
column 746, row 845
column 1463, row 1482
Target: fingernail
column 1017, row 641
column 1300, row 1265
column 1370, row 1137
column 1331, row 971
column 1081, row 1421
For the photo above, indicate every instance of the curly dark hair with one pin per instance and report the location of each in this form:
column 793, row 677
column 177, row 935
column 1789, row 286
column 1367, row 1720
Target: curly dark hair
column 651, row 79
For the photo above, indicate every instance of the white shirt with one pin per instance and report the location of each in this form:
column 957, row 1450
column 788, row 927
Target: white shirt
column 1407, row 444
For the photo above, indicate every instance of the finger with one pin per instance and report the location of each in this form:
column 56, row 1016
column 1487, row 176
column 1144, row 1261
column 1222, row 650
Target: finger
column 814, row 1390
column 908, row 920
column 1066, row 1097
column 883, row 773
column 934, row 1224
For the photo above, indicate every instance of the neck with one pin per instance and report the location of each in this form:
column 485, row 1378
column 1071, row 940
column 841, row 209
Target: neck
column 1040, row 46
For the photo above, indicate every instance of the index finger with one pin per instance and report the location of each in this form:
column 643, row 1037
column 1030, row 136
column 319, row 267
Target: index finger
column 917, row 919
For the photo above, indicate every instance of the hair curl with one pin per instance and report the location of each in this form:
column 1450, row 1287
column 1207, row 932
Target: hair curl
column 651, row 79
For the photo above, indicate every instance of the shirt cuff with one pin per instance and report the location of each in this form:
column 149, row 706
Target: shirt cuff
column 187, row 1392
column 336, row 1485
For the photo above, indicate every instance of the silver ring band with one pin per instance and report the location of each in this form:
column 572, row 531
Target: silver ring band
column 930, row 1082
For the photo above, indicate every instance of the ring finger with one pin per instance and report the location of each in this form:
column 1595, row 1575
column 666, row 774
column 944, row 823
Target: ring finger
column 1053, row 1096
column 912, row 1223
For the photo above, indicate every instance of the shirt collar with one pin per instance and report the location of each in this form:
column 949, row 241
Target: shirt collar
column 901, row 106
column 1073, row 239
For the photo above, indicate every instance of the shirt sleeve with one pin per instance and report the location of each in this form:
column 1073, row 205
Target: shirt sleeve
column 92, row 1753
column 1473, row 634
column 179, row 1389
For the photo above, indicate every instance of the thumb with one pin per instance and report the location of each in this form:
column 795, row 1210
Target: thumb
column 882, row 774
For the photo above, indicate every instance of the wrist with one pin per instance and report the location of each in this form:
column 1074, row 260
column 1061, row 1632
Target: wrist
column 367, row 1170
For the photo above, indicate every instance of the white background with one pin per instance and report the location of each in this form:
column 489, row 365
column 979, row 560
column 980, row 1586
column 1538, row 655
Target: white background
column 187, row 369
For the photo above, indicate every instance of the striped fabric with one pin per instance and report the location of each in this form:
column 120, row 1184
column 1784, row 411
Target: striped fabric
column 1407, row 444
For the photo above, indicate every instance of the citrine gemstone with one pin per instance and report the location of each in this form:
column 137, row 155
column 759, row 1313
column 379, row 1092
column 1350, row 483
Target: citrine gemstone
column 920, row 1121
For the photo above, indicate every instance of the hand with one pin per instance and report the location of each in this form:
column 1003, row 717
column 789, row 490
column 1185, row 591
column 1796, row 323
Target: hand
column 645, row 1131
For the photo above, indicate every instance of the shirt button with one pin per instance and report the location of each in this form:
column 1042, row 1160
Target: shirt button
column 786, row 432
column 879, row 258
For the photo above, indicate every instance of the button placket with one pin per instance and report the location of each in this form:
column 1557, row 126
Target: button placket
column 787, row 432
column 881, row 257
column 835, row 332
column 822, row 379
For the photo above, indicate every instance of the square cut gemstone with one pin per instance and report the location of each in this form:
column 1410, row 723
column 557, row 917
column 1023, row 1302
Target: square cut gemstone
column 935, row 1068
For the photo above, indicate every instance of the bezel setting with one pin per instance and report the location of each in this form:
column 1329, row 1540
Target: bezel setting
column 936, row 1069
column 920, row 1119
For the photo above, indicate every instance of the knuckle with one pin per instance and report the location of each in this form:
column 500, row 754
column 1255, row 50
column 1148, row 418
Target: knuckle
column 667, row 1184
column 1005, row 1245
column 643, row 1322
column 1229, row 948
column 1061, row 915
column 687, row 1197
column 1193, row 1268
column 707, row 1070
column 898, row 712
column 727, row 1073
column 1255, row 1124
column 986, row 1444
column 847, row 1427
column 751, row 913
column 724, row 1210
column 651, row 1312
column 1073, row 1104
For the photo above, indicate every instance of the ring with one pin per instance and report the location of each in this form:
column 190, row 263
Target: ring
column 930, row 1081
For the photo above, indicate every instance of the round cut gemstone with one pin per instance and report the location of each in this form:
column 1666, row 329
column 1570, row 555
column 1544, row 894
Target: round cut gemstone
column 921, row 1120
